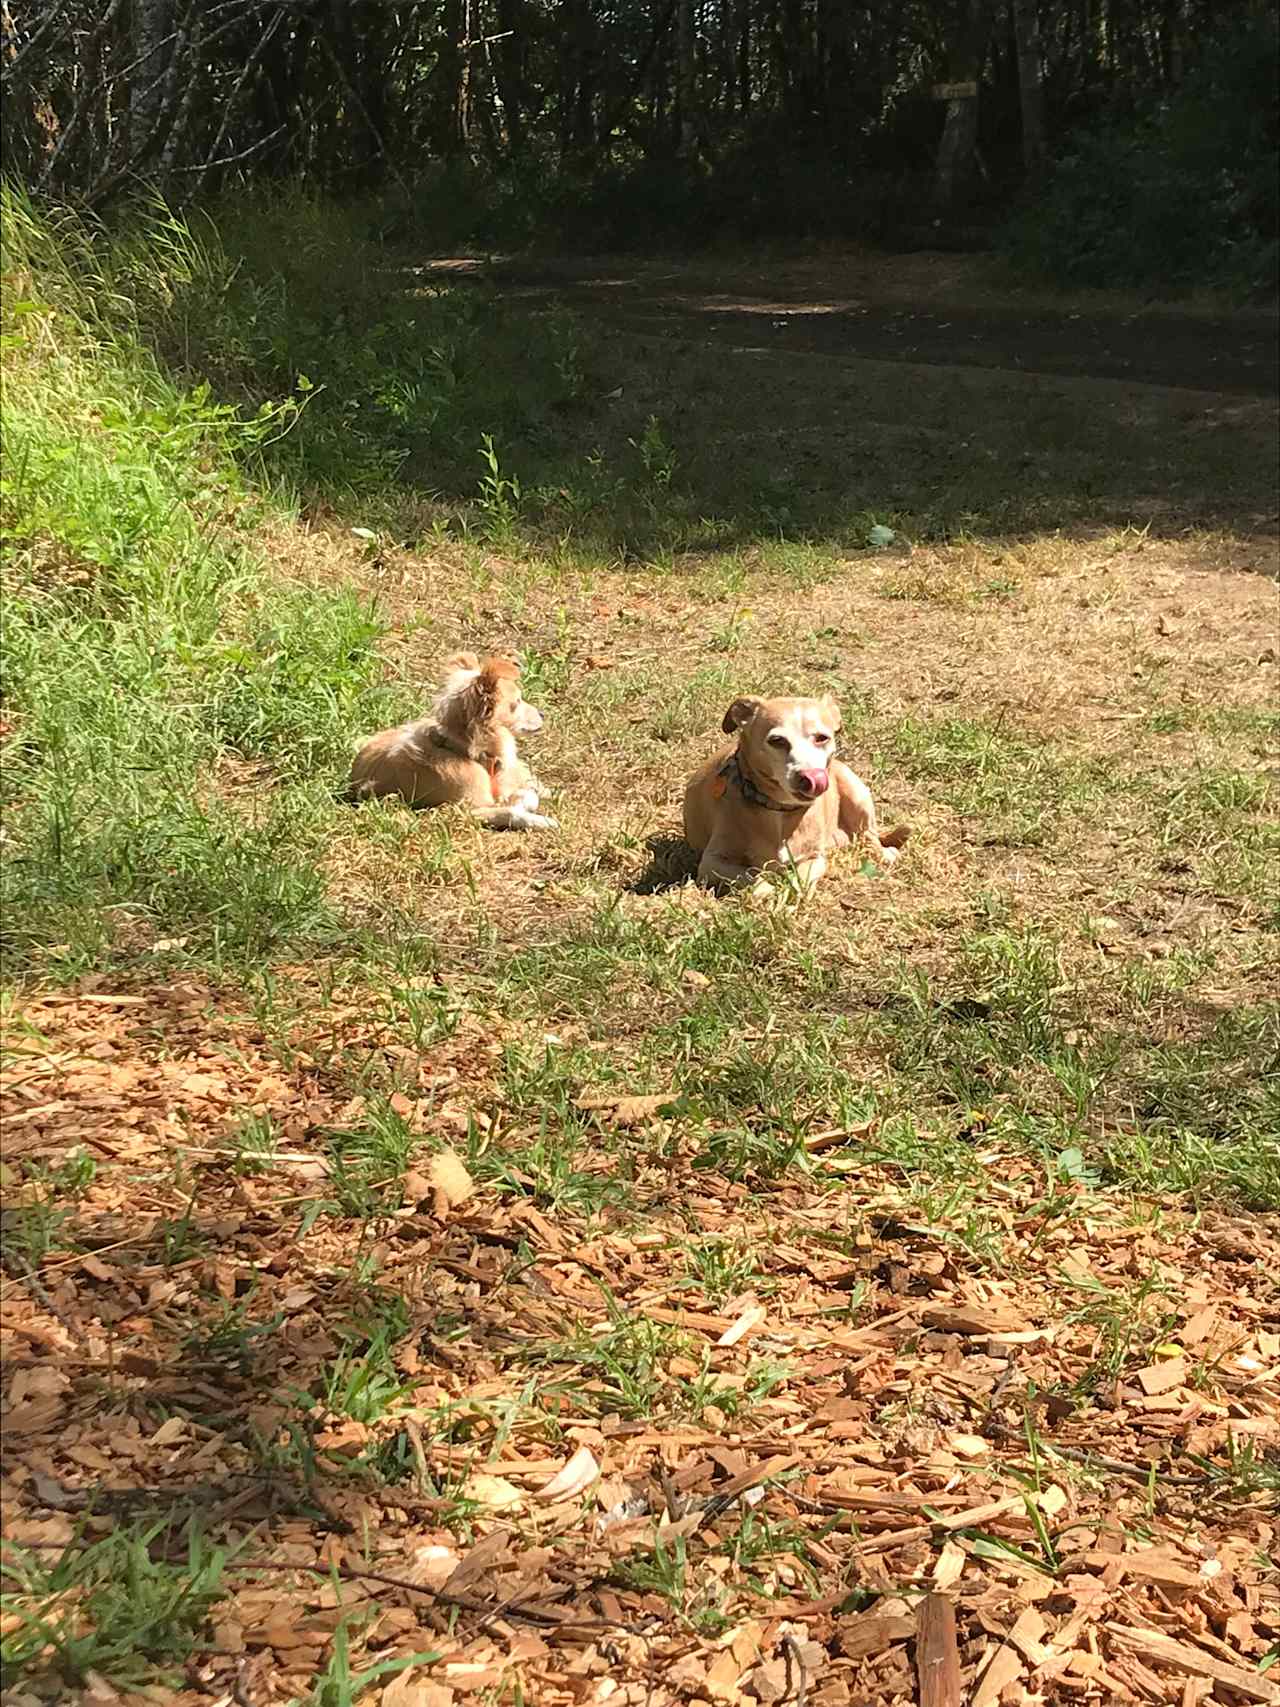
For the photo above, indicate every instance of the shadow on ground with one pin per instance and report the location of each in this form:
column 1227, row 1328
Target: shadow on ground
column 808, row 401
column 672, row 864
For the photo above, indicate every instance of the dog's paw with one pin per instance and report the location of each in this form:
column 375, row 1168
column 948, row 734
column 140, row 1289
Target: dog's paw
column 888, row 856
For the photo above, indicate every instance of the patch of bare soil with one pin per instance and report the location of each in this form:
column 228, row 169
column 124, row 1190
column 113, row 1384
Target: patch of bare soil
column 872, row 1419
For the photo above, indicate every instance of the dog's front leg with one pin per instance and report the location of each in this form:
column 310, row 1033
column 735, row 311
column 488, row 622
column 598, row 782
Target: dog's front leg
column 717, row 872
column 858, row 816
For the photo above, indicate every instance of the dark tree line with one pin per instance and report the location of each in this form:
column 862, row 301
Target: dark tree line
column 99, row 94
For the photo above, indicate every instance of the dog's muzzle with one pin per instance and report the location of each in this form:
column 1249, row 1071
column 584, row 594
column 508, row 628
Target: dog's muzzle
column 810, row 783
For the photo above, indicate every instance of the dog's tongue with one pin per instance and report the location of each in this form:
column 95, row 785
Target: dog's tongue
column 815, row 781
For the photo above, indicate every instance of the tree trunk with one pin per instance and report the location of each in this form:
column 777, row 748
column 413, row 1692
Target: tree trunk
column 448, row 83
column 744, row 58
column 957, row 150
column 509, row 71
column 464, row 77
column 1176, row 25
column 1026, row 35
column 686, row 78
column 152, row 26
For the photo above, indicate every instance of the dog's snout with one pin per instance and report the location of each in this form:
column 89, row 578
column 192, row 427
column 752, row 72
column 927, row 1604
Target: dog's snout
column 530, row 720
column 811, row 783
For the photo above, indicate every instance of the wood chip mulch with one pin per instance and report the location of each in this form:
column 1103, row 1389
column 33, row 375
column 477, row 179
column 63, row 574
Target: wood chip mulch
column 886, row 1473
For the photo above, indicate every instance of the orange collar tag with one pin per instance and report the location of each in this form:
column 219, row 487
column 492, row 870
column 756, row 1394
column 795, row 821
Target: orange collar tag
column 495, row 766
column 718, row 787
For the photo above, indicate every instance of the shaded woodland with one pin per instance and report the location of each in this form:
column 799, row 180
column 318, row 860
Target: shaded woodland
column 357, row 93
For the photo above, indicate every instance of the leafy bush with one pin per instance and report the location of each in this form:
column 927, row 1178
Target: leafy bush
column 1182, row 195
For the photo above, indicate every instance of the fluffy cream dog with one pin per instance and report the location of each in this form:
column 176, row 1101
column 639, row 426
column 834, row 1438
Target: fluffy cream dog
column 464, row 753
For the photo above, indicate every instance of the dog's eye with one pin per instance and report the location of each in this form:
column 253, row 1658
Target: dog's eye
column 821, row 740
column 781, row 742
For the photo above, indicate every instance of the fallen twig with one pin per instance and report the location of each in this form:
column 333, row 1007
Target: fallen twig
column 797, row 1678
column 358, row 1574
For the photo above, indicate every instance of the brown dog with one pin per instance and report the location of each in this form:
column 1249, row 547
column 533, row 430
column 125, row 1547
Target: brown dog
column 464, row 753
column 780, row 798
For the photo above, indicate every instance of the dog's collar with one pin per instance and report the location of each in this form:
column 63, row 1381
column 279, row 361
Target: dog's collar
column 440, row 739
column 493, row 766
column 754, row 796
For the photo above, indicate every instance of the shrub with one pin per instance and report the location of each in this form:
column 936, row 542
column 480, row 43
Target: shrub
column 1183, row 194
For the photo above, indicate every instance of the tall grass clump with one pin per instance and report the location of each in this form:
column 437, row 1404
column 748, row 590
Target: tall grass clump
column 394, row 373
column 149, row 652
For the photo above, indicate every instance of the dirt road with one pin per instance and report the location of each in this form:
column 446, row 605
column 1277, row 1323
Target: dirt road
column 938, row 310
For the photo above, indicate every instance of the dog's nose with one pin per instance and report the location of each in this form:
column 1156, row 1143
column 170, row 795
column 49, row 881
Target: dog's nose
column 813, row 783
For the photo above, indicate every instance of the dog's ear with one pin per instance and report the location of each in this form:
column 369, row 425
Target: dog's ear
column 459, row 662
column 495, row 670
column 740, row 712
column 832, row 713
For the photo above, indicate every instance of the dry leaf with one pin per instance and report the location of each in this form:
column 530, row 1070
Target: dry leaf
column 449, row 1177
column 434, row 1565
column 492, row 1492
column 625, row 1111
column 417, row 1187
column 576, row 1476
column 747, row 1323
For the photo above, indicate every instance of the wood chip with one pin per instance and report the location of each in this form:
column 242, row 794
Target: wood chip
column 1005, row 1665
column 872, row 1633
column 1155, row 1645
column 937, row 1657
column 746, row 1323
column 1160, row 1377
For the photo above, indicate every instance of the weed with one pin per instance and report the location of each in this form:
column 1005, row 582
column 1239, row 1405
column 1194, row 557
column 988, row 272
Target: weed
column 232, row 1336
column 657, row 457
column 664, row 1571
column 339, row 1685
column 1127, row 1323
column 30, row 1231
column 619, row 1368
column 760, row 1539
column 363, row 1384
column 369, row 1159
column 721, row 1268
column 500, row 495
column 116, row 1607
column 254, row 1142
